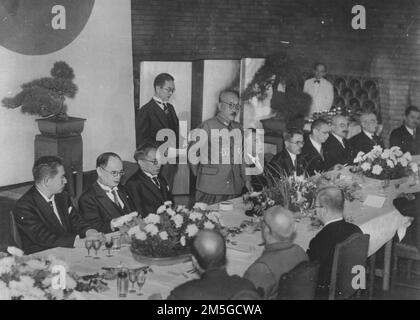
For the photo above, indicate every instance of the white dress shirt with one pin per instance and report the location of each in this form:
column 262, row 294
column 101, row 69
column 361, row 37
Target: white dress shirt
column 152, row 177
column 322, row 94
column 339, row 139
column 317, row 145
column 370, row 135
column 293, row 157
column 411, row 131
column 159, row 102
column 110, row 195
column 54, row 206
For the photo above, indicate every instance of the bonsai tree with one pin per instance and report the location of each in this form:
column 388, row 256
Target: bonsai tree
column 45, row 96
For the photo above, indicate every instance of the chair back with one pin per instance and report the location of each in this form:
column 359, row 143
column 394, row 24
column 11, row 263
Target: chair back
column 14, row 232
column 130, row 168
column 348, row 254
column 299, row 283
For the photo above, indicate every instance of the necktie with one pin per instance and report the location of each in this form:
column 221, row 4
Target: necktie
column 321, row 152
column 414, row 133
column 52, row 208
column 115, row 194
column 156, row 182
column 166, row 108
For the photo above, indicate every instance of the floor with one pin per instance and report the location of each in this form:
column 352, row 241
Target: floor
column 8, row 198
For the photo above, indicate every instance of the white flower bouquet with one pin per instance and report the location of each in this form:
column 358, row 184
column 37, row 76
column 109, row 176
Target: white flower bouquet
column 385, row 164
column 167, row 232
column 30, row 278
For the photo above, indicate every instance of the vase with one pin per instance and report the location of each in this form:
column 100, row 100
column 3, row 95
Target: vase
column 61, row 128
column 162, row 261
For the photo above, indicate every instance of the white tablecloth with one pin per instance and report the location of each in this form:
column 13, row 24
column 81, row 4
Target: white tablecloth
column 381, row 224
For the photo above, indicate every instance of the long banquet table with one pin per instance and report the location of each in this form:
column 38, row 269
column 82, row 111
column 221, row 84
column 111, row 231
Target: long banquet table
column 380, row 223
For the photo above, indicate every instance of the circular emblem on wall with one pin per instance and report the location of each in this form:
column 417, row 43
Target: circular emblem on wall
column 37, row 27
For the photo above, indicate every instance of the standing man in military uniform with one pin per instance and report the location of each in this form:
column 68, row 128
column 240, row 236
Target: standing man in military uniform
column 220, row 170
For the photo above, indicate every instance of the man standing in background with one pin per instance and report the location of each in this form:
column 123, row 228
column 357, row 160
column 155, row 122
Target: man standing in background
column 320, row 89
column 159, row 114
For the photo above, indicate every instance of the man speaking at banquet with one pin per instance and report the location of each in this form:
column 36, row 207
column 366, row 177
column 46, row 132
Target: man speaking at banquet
column 209, row 257
column 44, row 216
column 106, row 200
column 221, row 181
column 159, row 114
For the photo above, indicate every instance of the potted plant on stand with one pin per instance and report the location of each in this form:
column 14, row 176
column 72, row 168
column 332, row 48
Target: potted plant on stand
column 60, row 134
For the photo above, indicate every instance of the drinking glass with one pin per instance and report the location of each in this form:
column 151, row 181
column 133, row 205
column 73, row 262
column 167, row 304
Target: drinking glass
column 132, row 277
column 97, row 245
column 108, row 244
column 141, row 279
column 88, row 246
column 117, row 242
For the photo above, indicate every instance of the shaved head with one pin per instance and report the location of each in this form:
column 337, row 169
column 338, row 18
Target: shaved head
column 280, row 222
column 209, row 249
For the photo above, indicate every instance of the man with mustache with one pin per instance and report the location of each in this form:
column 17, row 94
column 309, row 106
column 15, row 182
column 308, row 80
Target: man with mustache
column 223, row 179
column 337, row 148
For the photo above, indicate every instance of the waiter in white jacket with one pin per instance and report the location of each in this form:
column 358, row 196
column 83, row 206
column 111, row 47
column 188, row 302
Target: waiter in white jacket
column 320, row 89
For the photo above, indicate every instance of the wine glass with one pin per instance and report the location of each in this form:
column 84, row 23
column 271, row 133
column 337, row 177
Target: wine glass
column 88, row 246
column 108, row 244
column 141, row 279
column 117, row 242
column 132, row 277
column 97, row 243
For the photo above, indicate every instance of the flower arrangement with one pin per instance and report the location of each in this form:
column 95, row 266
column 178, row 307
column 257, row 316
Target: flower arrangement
column 30, row 278
column 301, row 193
column 259, row 201
column 167, row 232
column 385, row 164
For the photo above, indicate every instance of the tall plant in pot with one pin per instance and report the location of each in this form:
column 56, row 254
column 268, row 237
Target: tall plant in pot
column 46, row 97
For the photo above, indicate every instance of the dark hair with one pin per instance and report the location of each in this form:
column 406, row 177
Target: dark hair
column 331, row 197
column 161, row 79
column 316, row 64
column 317, row 124
column 210, row 261
column 143, row 150
column 411, row 109
column 289, row 134
column 46, row 166
column 103, row 159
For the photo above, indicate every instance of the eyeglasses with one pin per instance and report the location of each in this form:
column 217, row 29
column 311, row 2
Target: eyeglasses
column 155, row 162
column 235, row 106
column 115, row 173
column 298, row 143
column 169, row 90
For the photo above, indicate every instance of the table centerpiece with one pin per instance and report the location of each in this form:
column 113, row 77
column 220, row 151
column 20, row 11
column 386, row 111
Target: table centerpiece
column 162, row 238
column 385, row 164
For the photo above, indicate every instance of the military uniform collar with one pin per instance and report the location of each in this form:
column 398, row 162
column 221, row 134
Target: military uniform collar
column 223, row 120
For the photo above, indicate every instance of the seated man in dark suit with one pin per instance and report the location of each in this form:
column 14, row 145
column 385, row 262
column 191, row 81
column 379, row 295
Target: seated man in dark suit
column 337, row 148
column 289, row 160
column 312, row 151
column 367, row 138
column 407, row 137
column 280, row 255
column 106, row 200
column 44, row 215
column 147, row 188
column 329, row 209
column 209, row 257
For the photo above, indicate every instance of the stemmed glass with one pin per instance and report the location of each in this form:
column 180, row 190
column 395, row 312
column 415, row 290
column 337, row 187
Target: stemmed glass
column 88, row 246
column 141, row 279
column 108, row 245
column 132, row 276
column 97, row 245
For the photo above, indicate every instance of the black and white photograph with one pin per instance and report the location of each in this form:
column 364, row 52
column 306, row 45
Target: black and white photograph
column 233, row 150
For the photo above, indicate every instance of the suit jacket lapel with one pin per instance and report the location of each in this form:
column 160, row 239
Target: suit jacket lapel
column 124, row 197
column 148, row 183
column 105, row 202
column 160, row 114
column 46, row 211
column 288, row 161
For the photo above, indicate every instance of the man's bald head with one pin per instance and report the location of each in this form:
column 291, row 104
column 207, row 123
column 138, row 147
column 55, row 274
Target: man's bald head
column 332, row 198
column 280, row 222
column 340, row 126
column 229, row 105
column 209, row 249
